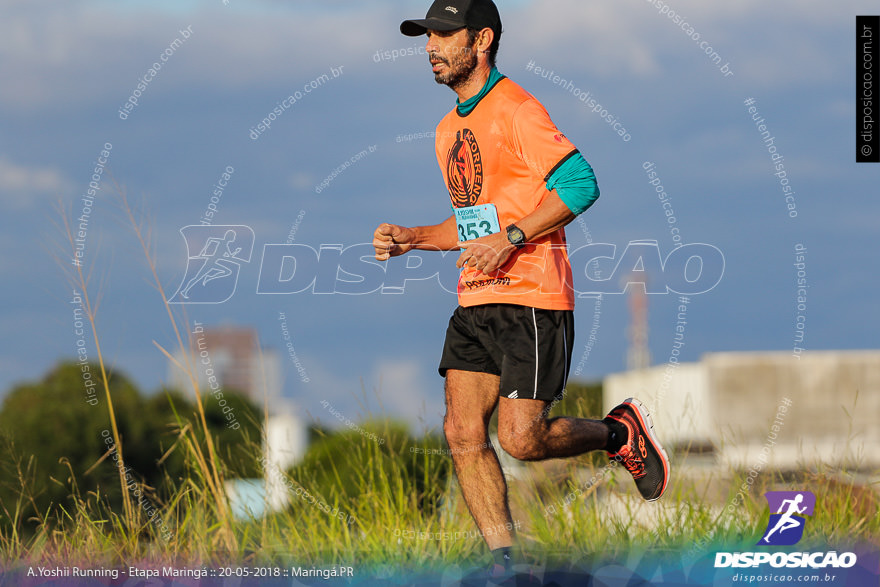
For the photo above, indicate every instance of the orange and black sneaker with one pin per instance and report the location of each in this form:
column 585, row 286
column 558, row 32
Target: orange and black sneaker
column 641, row 454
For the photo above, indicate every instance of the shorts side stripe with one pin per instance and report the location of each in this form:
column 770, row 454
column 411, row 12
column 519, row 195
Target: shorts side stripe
column 535, row 321
column 565, row 356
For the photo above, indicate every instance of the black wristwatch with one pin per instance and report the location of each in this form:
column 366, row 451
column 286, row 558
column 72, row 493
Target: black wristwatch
column 516, row 236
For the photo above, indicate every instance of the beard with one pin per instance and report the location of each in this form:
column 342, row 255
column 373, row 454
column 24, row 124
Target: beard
column 459, row 68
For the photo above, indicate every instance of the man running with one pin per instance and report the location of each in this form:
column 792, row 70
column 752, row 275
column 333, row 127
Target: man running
column 514, row 181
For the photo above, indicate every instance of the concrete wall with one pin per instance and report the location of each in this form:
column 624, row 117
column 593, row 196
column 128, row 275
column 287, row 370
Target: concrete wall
column 834, row 411
column 676, row 395
column 824, row 406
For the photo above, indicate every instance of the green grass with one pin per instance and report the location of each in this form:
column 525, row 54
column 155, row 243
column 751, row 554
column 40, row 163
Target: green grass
column 397, row 502
column 392, row 495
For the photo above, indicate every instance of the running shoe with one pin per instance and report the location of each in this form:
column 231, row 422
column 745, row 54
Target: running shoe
column 642, row 454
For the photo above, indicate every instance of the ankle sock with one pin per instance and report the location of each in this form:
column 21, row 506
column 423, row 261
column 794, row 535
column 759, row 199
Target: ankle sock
column 502, row 556
column 617, row 435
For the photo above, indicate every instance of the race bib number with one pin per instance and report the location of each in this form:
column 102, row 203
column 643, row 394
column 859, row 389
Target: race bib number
column 476, row 221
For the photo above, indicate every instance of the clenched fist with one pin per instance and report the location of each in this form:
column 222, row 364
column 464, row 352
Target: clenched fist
column 391, row 240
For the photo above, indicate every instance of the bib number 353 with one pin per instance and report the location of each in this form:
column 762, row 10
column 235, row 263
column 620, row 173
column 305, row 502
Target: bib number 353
column 476, row 221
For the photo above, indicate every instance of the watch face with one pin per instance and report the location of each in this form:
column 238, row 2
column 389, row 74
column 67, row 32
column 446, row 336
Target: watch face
column 515, row 235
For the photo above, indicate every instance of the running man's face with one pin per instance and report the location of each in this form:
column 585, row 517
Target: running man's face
column 452, row 58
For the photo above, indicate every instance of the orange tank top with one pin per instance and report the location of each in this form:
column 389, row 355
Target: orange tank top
column 502, row 153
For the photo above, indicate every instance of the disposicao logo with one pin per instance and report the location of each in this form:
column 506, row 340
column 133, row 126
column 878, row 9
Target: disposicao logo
column 786, row 528
column 215, row 255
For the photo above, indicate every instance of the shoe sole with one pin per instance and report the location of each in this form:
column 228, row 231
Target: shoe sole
column 647, row 424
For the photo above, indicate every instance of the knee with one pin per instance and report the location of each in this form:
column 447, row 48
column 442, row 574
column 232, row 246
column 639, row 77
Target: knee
column 523, row 447
column 464, row 432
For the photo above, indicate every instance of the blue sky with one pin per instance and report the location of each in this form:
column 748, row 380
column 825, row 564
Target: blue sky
column 68, row 69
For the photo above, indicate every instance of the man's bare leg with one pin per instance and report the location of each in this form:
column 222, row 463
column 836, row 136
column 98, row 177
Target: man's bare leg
column 470, row 400
column 526, row 434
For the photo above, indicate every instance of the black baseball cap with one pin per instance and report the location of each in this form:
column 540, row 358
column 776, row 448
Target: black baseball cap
column 449, row 15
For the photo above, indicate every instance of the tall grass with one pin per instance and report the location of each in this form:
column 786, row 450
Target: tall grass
column 394, row 519
column 401, row 507
column 208, row 468
column 78, row 279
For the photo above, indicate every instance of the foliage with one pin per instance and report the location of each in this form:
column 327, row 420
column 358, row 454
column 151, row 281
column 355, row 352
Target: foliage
column 50, row 425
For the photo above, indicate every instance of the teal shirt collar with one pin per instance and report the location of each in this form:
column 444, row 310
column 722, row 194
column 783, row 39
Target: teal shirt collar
column 465, row 108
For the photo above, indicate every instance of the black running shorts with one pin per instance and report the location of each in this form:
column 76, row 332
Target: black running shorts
column 529, row 348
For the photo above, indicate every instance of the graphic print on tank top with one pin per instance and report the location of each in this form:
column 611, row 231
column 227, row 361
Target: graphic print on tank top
column 464, row 169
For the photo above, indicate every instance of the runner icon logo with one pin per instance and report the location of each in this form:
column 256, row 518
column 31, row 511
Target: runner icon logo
column 786, row 525
column 212, row 271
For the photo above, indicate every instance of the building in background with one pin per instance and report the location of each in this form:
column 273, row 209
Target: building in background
column 233, row 356
column 638, row 355
column 738, row 406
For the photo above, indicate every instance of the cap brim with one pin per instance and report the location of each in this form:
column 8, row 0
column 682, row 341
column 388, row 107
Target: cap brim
column 416, row 28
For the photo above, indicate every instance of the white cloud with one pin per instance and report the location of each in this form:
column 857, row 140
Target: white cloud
column 83, row 52
column 79, row 53
column 345, row 393
column 594, row 37
column 772, row 44
column 20, row 184
column 404, row 389
column 302, row 181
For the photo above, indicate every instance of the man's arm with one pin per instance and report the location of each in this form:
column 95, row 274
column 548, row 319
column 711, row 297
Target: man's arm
column 549, row 217
column 488, row 253
column 570, row 181
column 391, row 240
